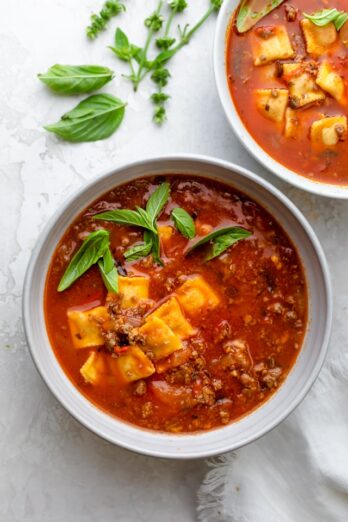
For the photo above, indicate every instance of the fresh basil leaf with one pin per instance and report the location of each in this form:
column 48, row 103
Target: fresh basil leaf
column 325, row 16
column 235, row 233
column 138, row 251
column 91, row 250
column 146, row 219
column 157, row 200
column 340, row 20
column 251, row 11
column 163, row 57
column 76, row 79
column 123, row 48
column 184, row 222
column 95, row 118
column 156, row 246
column 108, row 271
column 121, row 39
column 223, row 242
column 126, row 217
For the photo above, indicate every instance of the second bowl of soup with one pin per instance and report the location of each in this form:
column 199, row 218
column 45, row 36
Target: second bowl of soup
column 281, row 73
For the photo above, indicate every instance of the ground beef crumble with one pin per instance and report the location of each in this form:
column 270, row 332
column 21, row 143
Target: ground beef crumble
column 123, row 327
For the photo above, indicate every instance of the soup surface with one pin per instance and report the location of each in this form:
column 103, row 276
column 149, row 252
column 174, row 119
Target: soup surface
column 195, row 343
column 288, row 80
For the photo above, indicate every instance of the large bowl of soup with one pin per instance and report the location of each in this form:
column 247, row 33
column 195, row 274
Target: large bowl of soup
column 282, row 79
column 179, row 307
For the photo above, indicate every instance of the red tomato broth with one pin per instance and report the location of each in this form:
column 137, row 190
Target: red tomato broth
column 324, row 164
column 260, row 282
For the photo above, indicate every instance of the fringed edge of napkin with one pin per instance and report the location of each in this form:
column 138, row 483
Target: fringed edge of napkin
column 212, row 491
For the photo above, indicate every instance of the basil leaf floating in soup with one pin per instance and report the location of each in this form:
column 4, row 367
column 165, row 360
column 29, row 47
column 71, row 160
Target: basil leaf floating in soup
column 91, row 250
column 156, row 246
column 76, row 79
column 138, row 251
column 184, row 222
column 157, row 201
column 220, row 240
column 126, row 217
column 325, row 16
column 95, row 118
column 251, row 11
column 147, row 219
column 108, row 271
column 223, row 242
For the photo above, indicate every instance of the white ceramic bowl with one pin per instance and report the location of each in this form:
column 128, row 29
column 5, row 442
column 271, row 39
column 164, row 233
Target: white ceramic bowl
column 223, row 24
column 219, row 440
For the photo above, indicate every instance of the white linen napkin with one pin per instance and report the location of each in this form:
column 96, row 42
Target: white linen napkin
column 299, row 471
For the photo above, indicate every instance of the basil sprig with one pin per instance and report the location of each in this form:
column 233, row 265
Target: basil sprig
column 95, row 248
column 184, row 222
column 325, row 16
column 144, row 218
column 76, row 79
column 247, row 16
column 219, row 241
column 95, row 118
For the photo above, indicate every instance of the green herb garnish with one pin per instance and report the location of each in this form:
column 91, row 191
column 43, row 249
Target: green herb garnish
column 100, row 115
column 143, row 218
column 176, row 6
column 157, row 200
column 122, row 48
column 184, row 222
column 133, row 218
column 219, row 241
column 156, row 246
column 94, row 248
column 141, row 65
column 325, row 16
column 76, row 79
column 95, row 118
column 100, row 21
column 138, row 251
column 108, row 271
column 251, row 11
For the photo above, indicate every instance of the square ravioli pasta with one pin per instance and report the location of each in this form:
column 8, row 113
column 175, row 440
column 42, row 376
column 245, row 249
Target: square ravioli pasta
column 317, row 38
column 270, row 44
column 329, row 131
column 301, row 81
column 272, row 103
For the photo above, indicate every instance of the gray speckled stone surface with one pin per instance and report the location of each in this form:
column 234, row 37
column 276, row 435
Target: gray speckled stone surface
column 51, row 468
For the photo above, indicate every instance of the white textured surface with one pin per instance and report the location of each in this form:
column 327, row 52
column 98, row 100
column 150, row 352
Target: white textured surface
column 52, row 469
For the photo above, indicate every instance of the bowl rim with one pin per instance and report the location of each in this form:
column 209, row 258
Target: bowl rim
column 170, row 452
column 281, row 171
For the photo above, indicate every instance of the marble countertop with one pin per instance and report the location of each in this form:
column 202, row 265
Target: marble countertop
column 51, row 468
